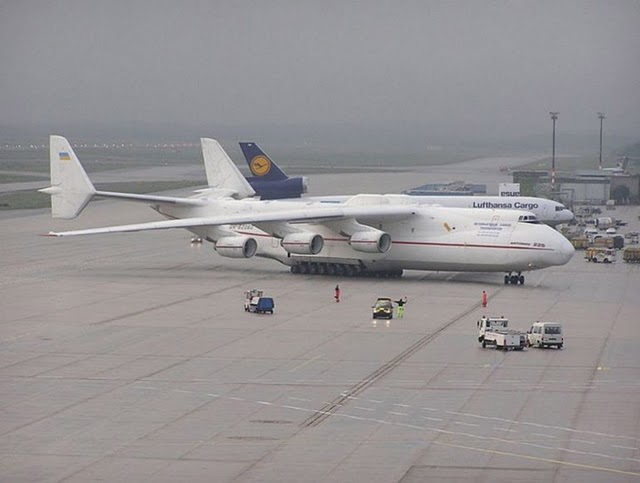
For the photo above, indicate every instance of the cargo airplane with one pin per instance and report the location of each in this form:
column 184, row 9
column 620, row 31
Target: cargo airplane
column 279, row 186
column 367, row 234
column 268, row 180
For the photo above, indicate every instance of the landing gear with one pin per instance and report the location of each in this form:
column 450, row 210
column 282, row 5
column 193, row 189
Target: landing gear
column 342, row 269
column 514, row 279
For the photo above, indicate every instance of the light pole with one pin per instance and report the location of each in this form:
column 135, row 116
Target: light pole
column 554, row 116
column 601, row 117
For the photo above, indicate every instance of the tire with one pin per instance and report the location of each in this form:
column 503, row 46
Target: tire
column 559, row 346
column 484, row 344
column 521, row 279
column 506, row 279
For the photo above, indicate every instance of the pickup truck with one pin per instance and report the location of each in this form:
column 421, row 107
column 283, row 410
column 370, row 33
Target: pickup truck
column 495, row 331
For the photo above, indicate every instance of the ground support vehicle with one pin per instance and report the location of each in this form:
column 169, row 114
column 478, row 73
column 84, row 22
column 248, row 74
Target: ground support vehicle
column 383, row 308
column 633, row 237
column 545, row 334
column 262, row 305
column 631, row 255
column 494, row 331
column 579, row 242
column 249, row 295
column 600, row 255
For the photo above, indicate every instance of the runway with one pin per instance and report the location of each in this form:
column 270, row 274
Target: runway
column 130, row 358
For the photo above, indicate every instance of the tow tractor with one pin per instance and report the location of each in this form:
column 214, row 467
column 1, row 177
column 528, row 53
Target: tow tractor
column 254, row 301
column 495, row 331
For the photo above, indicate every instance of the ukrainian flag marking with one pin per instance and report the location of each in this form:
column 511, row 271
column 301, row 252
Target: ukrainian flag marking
column 64, row 156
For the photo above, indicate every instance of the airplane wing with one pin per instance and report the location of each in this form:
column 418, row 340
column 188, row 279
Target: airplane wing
column 366, row 215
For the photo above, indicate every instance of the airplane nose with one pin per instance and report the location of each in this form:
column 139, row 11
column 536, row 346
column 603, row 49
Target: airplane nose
column 565, row 250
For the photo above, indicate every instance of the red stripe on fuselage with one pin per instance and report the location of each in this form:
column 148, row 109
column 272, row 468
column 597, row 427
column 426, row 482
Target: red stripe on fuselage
column 431, row 244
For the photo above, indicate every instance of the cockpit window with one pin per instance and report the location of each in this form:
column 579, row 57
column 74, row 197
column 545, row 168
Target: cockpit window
column 560, row 208
column 528, row 219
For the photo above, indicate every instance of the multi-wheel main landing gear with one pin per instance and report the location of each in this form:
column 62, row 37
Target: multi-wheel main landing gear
column 514, row 279
column 321, row 268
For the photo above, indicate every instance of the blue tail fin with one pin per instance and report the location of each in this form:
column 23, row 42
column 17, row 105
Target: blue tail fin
column 260, row 163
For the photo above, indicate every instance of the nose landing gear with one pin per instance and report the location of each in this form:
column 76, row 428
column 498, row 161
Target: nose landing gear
column 514, row 279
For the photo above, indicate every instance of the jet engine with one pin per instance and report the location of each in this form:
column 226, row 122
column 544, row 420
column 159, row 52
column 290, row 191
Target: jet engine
column 303, row 243
column 236, row 246
column 370, row 241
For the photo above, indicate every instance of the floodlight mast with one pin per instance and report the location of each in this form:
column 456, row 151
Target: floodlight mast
column 602, row 118
column 554, row 117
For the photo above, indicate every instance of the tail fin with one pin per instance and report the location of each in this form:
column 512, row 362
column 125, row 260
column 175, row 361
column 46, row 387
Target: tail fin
column 222, row 173
column 260, row 163
column 70, row 188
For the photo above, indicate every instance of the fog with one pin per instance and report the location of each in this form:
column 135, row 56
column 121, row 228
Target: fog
column 429, row 70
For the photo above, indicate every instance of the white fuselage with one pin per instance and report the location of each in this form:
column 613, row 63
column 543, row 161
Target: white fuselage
column 547, row 211
column 435, row 238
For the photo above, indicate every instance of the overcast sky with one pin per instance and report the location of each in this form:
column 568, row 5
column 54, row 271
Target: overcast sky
column 468, row 65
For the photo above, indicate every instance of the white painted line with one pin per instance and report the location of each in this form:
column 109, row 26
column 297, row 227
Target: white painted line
column 398, row 414
column 308, row 361
column 375, row 401
column 364, row 409
column 401, row 405
column 430, row 409
column 183, row 391
column 506, row 429
column 544, row 435
column 299, row 399
column 464, row 424
column 583, row 441
column 264, row 402
column 146, row 387
column 353, row 397
column 213, row 395
column 432, row 419
column 624, row 447
column 237, row 398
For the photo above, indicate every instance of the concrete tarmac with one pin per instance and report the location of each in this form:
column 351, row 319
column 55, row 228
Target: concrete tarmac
column 130, row 358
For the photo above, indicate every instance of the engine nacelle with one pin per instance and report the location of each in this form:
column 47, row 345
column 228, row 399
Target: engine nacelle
column 303, row 243
column 236, row 246
column 370, row 241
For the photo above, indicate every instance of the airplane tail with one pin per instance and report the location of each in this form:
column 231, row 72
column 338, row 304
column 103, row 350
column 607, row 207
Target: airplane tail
column 222, row 173
column 260, row 164
column 70, row 188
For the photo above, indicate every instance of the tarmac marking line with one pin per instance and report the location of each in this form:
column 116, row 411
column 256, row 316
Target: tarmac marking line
column 305, row 363
column 544, row 435
column 537, row 458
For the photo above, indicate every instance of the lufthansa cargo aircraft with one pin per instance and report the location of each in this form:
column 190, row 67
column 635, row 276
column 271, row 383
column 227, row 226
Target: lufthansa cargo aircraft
column 270, row 182
column 367, row 234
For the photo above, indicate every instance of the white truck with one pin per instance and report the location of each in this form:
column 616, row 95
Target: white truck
column 495, row 331
column 249, row 295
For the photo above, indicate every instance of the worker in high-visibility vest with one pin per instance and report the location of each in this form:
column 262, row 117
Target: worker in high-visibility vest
column 400, row 303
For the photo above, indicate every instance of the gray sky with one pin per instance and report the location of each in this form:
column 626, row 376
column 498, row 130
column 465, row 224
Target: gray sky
column 473, row 66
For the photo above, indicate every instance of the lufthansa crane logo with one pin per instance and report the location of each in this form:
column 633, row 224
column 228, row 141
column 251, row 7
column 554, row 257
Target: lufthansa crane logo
column 260, row 165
